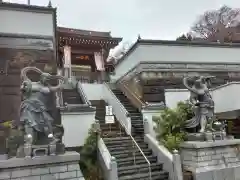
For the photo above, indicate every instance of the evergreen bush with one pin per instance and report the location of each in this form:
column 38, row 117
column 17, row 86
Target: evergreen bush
column 89, row 161
column 170, row 125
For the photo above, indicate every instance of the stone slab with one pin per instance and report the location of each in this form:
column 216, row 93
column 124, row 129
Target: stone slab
column 209, row 144
column 20, row 162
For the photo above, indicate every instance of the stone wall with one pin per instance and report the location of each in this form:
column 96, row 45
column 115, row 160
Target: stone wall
column 212, row 160
column 43, row 168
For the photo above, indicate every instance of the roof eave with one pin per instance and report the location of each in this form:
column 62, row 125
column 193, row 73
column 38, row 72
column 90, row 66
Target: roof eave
column 25, row 7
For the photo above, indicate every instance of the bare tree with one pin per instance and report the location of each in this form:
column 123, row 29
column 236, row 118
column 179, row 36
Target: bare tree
column 119, row 51
column 212, row 22
column 184, row 37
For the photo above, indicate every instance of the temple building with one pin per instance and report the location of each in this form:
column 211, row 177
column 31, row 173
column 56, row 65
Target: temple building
column 117, row 99
column 87, row 51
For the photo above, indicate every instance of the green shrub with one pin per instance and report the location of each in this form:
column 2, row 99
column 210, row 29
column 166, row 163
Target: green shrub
column 89, row 161
column 170, row 125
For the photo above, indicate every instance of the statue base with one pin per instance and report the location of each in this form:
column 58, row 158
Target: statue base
column 29, row 151
column 208, row 136
column 65, row 166
column 212, row 160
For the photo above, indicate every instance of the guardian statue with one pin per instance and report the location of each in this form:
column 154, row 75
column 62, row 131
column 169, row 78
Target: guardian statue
column 202, row 102
column 34, row 111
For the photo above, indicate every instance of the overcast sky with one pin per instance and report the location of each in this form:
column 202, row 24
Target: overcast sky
column 154, row 19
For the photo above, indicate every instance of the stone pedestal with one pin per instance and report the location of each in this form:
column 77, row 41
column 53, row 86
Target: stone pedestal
column 208, row 136
column 212, row 160
column 63, row 166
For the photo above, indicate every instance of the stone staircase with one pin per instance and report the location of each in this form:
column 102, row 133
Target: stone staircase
column 136, row 116
column 121, row 146
column 71, row 96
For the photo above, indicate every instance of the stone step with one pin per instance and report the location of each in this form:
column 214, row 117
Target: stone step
column 158, row 175
column 110, row 126
column 138, row 129
column 143, row 168
column 119, row 148
column 138, row 159
column 137, row 125
column 125, row 144
column 122, row 139
column 129, row 153
column 132, row 110
column 126, row 149
column 137, row 122
column 136, row 117
column 112, row 134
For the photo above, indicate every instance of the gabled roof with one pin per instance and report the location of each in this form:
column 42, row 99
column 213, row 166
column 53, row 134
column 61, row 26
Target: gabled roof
column 175, row 43
column 82, row 32
column 86, row 37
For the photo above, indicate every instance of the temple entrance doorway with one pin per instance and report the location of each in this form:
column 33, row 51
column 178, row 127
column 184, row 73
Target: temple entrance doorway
column 83, row 62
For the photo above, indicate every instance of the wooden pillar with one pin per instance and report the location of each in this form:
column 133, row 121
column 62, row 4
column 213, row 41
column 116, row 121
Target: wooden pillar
column 67, row 62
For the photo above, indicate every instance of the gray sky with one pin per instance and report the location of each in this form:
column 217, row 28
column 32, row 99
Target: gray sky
column 153, row 19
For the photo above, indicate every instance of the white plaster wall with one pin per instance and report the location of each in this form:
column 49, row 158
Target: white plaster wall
column 173, row 96
column 28, row 23
column 226, row 97
column 76, row 127
column 93, row 91
column 170, row 53
column 148, row 115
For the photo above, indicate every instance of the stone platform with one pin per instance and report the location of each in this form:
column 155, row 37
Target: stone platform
column 42, row 168
column 212, row 160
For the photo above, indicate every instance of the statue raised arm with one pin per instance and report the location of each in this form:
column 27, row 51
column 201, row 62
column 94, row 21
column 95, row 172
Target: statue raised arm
column 193, row 88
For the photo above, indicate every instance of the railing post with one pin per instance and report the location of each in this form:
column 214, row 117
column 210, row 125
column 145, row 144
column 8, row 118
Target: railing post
column 113, row 175
column 177, row 166
column 146, row 126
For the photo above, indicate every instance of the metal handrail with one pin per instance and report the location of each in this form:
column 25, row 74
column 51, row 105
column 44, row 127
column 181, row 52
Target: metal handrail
column 134, row 155
column 82, row 93
column 133, row 94
column 110, row 90
column 133, row 98
column 144, row 105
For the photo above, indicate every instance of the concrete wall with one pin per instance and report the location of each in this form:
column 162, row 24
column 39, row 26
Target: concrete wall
column 76, row 125
column 26, row 22
column 173, row 96
column 225, row 97
column 176, row 53
column 93, row 91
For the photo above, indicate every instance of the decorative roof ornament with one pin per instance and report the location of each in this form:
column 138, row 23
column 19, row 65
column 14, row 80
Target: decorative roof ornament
column 49, row 3
column 139, row 37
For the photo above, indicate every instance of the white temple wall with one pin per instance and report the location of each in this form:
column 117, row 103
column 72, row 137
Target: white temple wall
column 173, row 96
column 171, row 53
column 225, row 97
column 93, row 91
column 14, row 21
